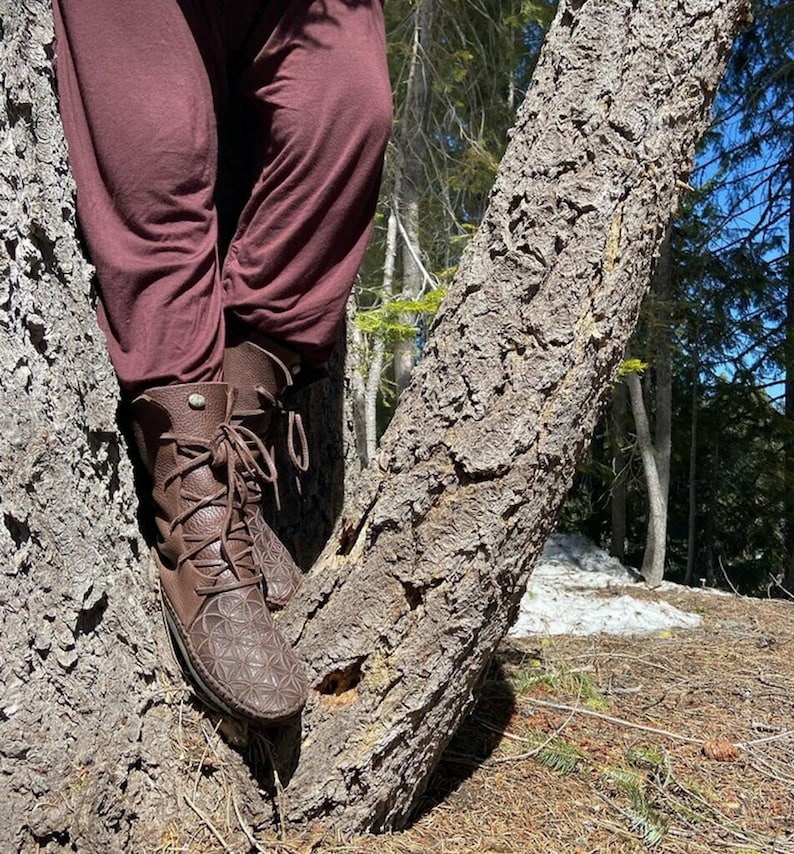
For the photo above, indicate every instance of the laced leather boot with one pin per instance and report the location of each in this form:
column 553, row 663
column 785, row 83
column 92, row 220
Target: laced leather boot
column 200, row 465
column 262, row 377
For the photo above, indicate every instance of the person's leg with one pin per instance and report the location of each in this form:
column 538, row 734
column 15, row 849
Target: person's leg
column 318, row 83
column 138, row 112
column 313, row 76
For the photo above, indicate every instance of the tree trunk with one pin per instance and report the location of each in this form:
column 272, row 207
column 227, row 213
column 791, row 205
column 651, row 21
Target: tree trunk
column 656, row 452
column 653, row 559
column 619, row 463
column 378, row 353
column 691, row 539
column 102, row 750
column 360, row 361
column 410, row 156
column 788, row 580
column 663, row 363
column 708, row 577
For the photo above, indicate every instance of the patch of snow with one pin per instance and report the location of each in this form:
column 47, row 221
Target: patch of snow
column 566, row 596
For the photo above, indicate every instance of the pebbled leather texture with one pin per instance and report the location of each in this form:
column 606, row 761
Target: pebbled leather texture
column 211, row 584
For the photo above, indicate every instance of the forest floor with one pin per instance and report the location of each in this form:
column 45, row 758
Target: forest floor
column 674, row 733
column 681, row 741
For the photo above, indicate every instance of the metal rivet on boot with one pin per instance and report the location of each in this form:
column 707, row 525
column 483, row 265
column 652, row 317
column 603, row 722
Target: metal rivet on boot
column 197, row 401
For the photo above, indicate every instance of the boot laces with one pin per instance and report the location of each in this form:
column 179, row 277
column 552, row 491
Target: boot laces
column 297, row 444
column 239, row 456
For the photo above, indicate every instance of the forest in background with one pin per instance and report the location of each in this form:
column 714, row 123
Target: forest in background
column 690, row 475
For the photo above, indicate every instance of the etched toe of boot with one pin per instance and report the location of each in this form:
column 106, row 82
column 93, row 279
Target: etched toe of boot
column 247, row 666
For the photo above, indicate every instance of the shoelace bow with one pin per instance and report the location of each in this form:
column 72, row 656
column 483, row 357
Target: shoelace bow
column 233, row 449
column 297, row 451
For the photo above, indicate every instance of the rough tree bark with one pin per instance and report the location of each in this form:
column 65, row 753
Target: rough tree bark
column 100, row 748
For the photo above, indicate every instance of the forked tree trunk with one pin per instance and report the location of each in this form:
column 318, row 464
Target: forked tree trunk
column 100, row 750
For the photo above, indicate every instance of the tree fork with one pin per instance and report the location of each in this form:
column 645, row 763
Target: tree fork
column 409, row 599
column 485, row 442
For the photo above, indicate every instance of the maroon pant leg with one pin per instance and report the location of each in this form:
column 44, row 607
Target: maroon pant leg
column 320, row 89
column 141, row 85
column 139, row 118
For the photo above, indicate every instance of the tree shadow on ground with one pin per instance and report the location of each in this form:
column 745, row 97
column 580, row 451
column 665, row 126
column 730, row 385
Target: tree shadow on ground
column 475, row 740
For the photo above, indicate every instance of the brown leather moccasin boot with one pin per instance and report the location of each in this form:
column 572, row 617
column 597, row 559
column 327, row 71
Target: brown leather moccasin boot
column 261, row 377
column 212, row 589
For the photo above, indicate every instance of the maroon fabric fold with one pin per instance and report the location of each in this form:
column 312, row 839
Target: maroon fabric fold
column 198, row 126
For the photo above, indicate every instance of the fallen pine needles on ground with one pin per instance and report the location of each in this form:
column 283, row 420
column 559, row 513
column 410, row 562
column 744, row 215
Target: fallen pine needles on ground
column 680, row 742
